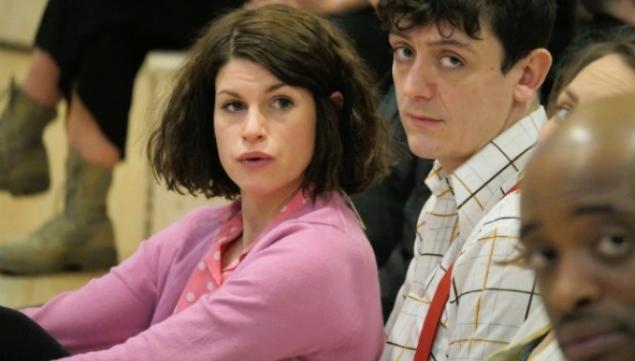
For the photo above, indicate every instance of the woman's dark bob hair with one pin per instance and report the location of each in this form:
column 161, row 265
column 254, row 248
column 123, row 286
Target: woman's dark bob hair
column 588, row 48
column 303, row 50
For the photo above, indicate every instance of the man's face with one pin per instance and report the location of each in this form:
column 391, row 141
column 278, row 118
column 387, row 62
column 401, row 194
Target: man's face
column 453, row 97
column 578, row 234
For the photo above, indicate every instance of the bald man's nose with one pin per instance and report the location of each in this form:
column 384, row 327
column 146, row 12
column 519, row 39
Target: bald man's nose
column 572, row 287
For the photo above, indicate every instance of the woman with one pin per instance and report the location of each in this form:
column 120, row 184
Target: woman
column 601, row 65
column 273, row 110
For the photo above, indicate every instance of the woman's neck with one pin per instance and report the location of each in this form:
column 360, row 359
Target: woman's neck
column 258, row 212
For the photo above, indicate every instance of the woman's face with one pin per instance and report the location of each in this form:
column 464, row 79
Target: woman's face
column 606, row 76
column 264, row 129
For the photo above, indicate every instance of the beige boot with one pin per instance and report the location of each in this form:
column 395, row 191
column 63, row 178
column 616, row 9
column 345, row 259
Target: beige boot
column 81, row 238
column 24, row 167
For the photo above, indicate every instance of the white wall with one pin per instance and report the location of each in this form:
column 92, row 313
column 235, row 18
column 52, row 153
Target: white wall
column 19, row 20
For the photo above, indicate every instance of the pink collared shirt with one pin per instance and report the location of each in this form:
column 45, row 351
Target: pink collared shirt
column 307, row 290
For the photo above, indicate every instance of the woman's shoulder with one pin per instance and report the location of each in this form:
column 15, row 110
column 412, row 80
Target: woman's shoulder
column 195, row 224
column 336, row 211
column 329, row 229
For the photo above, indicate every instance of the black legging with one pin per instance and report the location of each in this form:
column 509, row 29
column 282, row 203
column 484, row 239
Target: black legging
column 21, row 339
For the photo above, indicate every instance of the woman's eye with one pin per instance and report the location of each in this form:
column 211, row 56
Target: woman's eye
column 282, row 103
column 613, row 246
column 233, row 106
column 450, row 61
column 402, row 53
column 562, row 112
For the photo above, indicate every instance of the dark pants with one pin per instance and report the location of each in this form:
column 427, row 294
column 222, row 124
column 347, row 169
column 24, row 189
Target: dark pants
column 21, row 339
column 100, row 45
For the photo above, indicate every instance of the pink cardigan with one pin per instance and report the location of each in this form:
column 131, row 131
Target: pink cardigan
column 308, row 290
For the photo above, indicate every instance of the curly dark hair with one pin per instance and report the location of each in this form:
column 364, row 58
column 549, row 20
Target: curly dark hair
column 587, row 48
column 520, row 25
column 352, row 148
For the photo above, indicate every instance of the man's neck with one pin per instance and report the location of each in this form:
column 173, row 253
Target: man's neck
column 516, row 115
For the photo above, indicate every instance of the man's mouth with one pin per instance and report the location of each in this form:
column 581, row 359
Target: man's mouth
column 583, row 339
column 422, row 119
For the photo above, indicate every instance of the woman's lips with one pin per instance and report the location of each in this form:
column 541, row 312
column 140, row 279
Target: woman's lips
column 253, row 160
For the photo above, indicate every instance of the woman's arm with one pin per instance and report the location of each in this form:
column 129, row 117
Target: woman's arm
column 294, row 298
column 106, row 311
column 109, row 310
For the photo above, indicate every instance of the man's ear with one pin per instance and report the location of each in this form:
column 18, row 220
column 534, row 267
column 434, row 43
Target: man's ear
column 534, row 70
column 338, row 99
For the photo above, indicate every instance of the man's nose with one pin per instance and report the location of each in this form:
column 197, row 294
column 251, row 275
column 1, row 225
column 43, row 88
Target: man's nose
column 573, row 286
column 418, row 81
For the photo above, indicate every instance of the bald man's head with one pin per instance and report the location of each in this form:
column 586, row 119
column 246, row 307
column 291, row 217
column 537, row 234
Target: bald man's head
column 578, row 229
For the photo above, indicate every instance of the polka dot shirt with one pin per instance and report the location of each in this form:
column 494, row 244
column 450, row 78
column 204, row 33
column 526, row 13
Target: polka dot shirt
column 209, row 273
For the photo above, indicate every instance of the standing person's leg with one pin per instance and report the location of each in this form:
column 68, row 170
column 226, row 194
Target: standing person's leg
column 82, row 236
column 23, row 161
column 99, row 83
column 41, row 79
column 23, row 339
column 64, row 28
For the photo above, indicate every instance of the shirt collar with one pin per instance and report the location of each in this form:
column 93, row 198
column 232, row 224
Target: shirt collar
column 496, row 168
column 437, row 180
column 232, row 226
column 489, row 174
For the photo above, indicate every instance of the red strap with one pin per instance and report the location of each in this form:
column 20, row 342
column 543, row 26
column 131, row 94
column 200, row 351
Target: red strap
column 433, row 318
column 513, row 189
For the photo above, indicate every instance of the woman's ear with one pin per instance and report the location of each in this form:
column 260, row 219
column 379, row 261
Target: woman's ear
column 535, row 68
column 338, row 99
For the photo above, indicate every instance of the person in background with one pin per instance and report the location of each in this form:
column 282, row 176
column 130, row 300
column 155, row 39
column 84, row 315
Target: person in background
column 594, row 69
column 274, row 111
column 600, row 64
column 87, row 53
column 578, row 226
column 466, row 75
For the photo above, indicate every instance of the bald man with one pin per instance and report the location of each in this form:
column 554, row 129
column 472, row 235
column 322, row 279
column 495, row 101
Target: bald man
column 578, row 229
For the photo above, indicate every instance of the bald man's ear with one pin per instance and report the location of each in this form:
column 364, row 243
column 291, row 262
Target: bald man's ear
column 533, row 71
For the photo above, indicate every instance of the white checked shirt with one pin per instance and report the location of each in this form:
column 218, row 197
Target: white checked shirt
column 470, row 222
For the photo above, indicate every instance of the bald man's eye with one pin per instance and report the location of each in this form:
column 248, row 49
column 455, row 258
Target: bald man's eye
column 613, row 246
column 540, row 258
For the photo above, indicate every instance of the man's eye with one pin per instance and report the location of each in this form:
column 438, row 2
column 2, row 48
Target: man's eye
column 402, row 53
column 233, row 106
column 450, row 61
column 282, row 103
column 613, row 246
